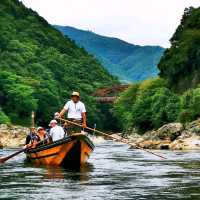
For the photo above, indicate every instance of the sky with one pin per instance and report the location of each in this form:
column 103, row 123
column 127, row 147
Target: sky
column 142, row 22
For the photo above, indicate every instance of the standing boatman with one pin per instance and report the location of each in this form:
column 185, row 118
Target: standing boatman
column 76, row 112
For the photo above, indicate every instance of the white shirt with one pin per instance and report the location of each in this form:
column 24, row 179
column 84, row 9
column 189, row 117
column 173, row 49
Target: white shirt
column 75, row 110
column 57, row 133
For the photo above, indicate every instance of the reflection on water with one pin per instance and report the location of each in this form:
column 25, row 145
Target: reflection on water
column 55, row 172
column 114, row 172
column 81, row 174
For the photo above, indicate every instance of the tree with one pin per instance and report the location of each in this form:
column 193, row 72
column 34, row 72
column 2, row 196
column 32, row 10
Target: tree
column 39, row 67
column 180, row 63
column 4, row 119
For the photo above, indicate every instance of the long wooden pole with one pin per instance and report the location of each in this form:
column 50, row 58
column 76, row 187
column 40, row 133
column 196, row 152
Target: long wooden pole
column 33, row 119
column 113, row 137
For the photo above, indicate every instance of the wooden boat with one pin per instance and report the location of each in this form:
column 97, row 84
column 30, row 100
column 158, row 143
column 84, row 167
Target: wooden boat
column 70, row 152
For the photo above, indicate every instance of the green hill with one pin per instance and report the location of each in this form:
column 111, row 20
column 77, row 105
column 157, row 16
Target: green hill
column 127, row 61
column 39, row 68
column 180, row 64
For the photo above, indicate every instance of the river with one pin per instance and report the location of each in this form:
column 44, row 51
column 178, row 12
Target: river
column 114, row 172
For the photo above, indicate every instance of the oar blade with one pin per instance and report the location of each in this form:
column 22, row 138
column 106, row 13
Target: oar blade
column 2, row 160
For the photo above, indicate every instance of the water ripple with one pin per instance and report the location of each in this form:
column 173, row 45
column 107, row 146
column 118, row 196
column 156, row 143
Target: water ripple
column 114, row 172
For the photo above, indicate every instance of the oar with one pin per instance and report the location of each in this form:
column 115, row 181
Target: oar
column 4, row 159
column 33, row 119
column 113, row 137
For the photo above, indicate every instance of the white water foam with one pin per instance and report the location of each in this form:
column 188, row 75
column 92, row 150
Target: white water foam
column 96, row 139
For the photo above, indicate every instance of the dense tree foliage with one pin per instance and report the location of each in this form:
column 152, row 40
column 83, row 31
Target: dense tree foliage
column 190, row 104
column 39, row 67
column 127, row 61
column 153, row 103
column 147, row 105
column 180, row 64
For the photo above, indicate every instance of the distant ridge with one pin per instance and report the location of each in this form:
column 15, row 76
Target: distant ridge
column 127, row 61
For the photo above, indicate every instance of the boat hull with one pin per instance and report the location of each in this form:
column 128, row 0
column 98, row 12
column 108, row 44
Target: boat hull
column 73, row 151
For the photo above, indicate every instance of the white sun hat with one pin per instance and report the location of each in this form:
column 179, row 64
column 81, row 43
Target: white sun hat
column 53, row 122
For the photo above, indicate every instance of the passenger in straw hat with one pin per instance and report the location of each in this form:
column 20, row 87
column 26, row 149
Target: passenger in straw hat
column 76, row 112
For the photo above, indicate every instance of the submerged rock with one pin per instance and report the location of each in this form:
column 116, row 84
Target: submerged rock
column 154, row 144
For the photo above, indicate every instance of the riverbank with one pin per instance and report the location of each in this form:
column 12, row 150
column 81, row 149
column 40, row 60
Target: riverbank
column 12, row 136
column 174, row 136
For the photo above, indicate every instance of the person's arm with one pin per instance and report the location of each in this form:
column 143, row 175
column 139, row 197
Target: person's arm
column 62, row 112
column 28, row 139
column 65, row 109
column 84, row 120
column 62, row 132
column 49, row 138
column 51, row 134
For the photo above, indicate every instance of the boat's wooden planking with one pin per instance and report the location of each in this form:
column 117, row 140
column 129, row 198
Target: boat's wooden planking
column 73, row 151
column 52, row 156
column 85, row 152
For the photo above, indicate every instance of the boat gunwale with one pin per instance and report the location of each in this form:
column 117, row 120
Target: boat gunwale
column 60, row 142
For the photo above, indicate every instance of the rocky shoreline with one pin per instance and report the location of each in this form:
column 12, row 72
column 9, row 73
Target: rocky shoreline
column 173, row 136
column 12, row 136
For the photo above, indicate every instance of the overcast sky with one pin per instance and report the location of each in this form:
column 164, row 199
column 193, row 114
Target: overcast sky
column 143, row 22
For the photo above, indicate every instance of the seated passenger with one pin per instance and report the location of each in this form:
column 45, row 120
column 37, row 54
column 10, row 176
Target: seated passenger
column 32, row 138
column 56, row 132
column 42, row 135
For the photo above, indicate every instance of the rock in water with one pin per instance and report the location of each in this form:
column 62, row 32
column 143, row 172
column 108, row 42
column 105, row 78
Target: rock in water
column 170, row 131
column 186, row 142
column 171, row 136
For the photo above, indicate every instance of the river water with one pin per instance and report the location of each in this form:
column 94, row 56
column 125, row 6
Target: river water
column 114, row 172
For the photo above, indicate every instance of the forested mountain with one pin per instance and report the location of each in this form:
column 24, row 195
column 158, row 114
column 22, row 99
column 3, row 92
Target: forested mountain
column 39, row 67
column 180, row 64
column 175, row 96
column 127, row 61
